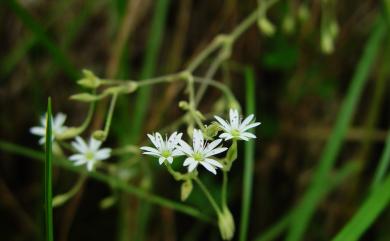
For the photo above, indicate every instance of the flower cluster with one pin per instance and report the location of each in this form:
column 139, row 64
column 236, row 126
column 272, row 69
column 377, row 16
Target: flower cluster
column 201, row 152
column 89, row 154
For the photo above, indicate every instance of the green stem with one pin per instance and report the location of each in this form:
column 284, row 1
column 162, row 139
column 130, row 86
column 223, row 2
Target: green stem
column 63, row 198
column 109, row 115
column 224, row 189
column 208, row 195
column 48, row 176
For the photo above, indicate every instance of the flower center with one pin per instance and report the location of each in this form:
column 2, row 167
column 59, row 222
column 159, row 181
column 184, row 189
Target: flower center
column 198, row 156
column 235, row 133
column 166, row 153
column 89, row 155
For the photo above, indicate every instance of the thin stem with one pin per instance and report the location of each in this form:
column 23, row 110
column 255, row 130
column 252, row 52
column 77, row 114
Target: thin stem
column 208, row 195
column 110, row 114
column 48, row 176
column 215, row 44
column 224, row 189
column 63, row 198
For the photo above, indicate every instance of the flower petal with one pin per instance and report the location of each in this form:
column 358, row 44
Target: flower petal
column 247, row 135
column 76, row 157
column 59, row 120
column 223, row 123
column 214, row 162
column 80, row 145
column 153, row 140
column 177, row 152
column 234, row 118
column 94, row 144
column 150, row 149
column 246, row 121
column 161, row 160
column 39, row 131
column 188, row 161
column 250, row 126
column 170, row 159
column 198, row 140
column 212, row 145
column 103, row 154
column 209, row 167
column 215, row 151
column 184, row 147
column 192, row 166
column 226, row 136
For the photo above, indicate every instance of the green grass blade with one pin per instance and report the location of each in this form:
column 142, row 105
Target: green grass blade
column 149, row 67
column 277, row 229
column 383, row 164
column 48, row 176
column 40, row 33
column 306, row 207
column 367, row 213
column 249, row 153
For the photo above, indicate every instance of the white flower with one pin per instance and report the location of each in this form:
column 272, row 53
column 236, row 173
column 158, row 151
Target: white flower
column 57, row 127
column 165, row 150
column 237, row 129
column 201, row 152
column 89, row 153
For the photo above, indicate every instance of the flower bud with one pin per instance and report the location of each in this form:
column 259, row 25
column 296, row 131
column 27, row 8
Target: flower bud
column 184, row 105
column 226, row 224
column 90, row 80
column 85, row 97
column 212, row 130
column 266, row 26
column 288, row 24
column 99, row 135
column 107, row 202
column 186, row 189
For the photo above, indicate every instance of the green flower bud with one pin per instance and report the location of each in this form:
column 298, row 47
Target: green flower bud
column 288, row 24
column 184, row 105
column 85, row 97
column 99, row 135
column 226, row 224
column 327, row 44
column 212, row 130
column 90, row 80
column 186, row 189
column 266, row 26
column 107, row 202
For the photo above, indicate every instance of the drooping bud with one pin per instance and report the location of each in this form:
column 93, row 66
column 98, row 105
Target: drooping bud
column 266, row 26
column 90, row 80
column 186, row 189
column 226, row 224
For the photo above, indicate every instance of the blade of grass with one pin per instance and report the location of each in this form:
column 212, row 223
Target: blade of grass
column 40, row 33
column 249, row 153
column 277, row 229
column 109, row 180
column 142, row 100
column 48, row 176
column 306, row 207
column 368, row 212
column 383, row 164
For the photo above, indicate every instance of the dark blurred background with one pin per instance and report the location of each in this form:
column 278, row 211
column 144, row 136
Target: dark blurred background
column 299, row 90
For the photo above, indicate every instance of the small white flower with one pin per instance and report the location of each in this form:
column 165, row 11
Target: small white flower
column 237, row 129
column 89, row 153
column 57, row 127
column 165, row 150
column 201, row 152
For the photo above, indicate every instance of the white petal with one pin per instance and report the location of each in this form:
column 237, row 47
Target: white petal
column 150, row 149
column 226, row 136
column 153, row 140
column 215, row 151
column 184, row 147
column 198, row 140
column 170, row 159
column 247, row 121
column 177, row 152
column 234, row 118
column 224, row 124
column 39, row 131
column 76, row 157
column 80, row 162
column 247, row 135
column 90, row 165
column 214, row 162
column 188, row 161
column 173, row 140
column 94, row 144
column 250, row 126
column 80, row 145
column 209, row 167
column 43, row 120
column 151, row 154
column 161, row 160
column 42, row 140
column 59, row 120
column 192, row 166
column 103, row 154
column 212, row 145
column 160, row 140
